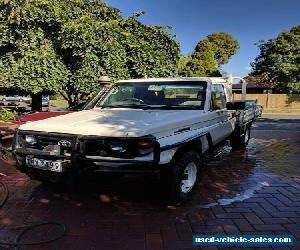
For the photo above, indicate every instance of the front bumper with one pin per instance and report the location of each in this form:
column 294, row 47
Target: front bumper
column 107, row 167
column 78, row 162
column 80, row 165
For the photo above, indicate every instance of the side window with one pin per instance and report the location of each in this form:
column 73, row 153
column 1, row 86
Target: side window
column 218, row 97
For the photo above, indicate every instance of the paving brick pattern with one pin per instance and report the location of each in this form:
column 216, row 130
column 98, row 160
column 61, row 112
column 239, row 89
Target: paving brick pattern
column 235, row 196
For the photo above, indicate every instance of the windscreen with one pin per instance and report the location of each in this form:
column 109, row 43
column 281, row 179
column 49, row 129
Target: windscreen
column 183, row 95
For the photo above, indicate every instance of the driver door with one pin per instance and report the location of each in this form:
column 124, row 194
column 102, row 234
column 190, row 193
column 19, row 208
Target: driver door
column 221, row 116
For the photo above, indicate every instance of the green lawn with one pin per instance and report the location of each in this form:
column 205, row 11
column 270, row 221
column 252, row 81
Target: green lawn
column 59, row 103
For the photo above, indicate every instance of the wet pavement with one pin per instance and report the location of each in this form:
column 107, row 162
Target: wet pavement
column 240, row 192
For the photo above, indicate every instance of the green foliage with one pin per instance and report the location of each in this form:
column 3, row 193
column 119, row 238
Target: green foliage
column 223, row 45
column 66, row 45
column 209, row 54
column 6, row 115
column 182, row 62
column 279, row 61
column 202, row 62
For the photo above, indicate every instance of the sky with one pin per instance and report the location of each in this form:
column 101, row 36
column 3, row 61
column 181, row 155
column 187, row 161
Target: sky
column 247, row 20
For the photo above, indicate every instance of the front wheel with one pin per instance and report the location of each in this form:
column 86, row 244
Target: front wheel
column 239, row 141
column 183, row 176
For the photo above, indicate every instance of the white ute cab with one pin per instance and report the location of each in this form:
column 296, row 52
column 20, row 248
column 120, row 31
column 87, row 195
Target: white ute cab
column 164, row 126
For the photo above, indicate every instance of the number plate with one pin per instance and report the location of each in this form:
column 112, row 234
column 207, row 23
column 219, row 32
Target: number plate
column 55, row 166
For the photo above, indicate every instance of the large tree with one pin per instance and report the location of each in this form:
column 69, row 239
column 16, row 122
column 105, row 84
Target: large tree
column 279, row 61
column 202, row 62
column 209, row 55
column 50, row 46
column 224, row 46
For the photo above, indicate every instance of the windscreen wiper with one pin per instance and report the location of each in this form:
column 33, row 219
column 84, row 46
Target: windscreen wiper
column 137, row 106
column 145, row 106
column 176, row 107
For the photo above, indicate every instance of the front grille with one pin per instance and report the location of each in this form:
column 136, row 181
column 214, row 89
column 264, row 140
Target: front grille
column 46, row 143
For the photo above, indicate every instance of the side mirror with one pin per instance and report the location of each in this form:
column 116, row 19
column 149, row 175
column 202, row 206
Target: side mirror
column 236, row 105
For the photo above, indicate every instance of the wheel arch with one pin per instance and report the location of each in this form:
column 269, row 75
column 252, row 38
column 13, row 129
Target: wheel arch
column 201, row 145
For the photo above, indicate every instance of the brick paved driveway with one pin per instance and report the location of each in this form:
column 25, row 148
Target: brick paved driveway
column 256, row 191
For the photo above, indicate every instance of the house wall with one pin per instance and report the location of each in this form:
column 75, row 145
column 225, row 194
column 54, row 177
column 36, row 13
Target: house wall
column 274, row 101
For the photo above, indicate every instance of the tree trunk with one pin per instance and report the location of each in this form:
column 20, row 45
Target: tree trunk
column 36, row 103
column 72, row 100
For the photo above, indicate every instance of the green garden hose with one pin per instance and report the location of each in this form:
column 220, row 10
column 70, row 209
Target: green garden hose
column 17, row 242
column 5, row 189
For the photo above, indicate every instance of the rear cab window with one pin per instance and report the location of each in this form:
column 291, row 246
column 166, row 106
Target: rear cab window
column 218, row 97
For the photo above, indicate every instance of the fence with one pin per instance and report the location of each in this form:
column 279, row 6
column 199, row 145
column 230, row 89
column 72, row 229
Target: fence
column 274, row 101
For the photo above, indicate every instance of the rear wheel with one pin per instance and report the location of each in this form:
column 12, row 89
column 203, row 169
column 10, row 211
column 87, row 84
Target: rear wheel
column 238, row 140
column 182, row 178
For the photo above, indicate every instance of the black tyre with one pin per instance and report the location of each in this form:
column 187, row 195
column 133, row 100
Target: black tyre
column 239, row 141
column 182, row 177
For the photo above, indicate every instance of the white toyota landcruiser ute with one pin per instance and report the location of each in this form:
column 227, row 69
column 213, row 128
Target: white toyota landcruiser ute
column 164, row 126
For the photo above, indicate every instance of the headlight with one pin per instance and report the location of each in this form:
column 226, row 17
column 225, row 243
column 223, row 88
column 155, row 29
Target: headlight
column 118, row 147
column 137, row 148
column 30, row 139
